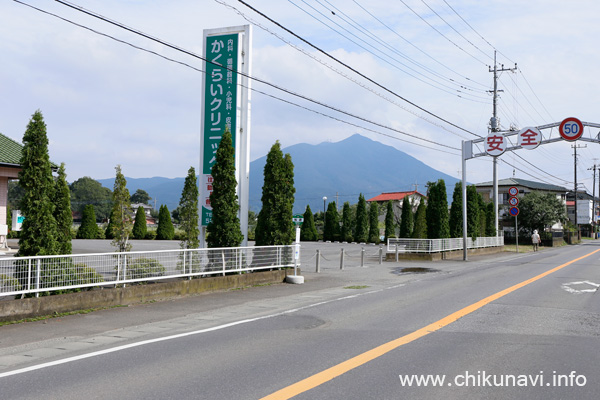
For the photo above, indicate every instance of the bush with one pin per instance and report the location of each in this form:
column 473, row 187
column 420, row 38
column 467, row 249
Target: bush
column 142, row 267
column 8, row 284
column 150, row 235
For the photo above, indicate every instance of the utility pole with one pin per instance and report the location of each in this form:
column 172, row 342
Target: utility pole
column 575, row 147
column 594, row 198
column 495, row 127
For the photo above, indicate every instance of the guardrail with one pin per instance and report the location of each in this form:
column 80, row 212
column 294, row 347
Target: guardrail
column 440, row 245
column 35, row 275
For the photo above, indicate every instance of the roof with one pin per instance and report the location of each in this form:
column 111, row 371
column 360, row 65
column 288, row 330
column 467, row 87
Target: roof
column 10, row 151
column 525, row 183
column 394, row 196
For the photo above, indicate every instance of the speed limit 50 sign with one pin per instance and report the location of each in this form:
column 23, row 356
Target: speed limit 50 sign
column 570, row 129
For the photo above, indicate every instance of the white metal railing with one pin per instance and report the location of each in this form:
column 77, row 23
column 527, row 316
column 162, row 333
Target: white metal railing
column 439, row 245
column 25, row 275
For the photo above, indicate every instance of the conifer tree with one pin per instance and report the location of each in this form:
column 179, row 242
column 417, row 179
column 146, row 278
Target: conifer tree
column 165, row 230
column 456, row 215
column 472, row 212
column 390, row 225
column 308, row 230
column 374, row 222
column 188, row 212
column 38, row 235
column 362, row 220
column 274, row 224
column 437, row 211
column 139, row 226
column 490, row 223
column 121, row 224
column 407, row 221
column 420, row 228
column 332, row 223
column 62, row 212
column 88, row 228
column 224, row 229
column 346, row 234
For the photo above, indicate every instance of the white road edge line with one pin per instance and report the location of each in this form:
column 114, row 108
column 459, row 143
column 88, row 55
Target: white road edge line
column 177, row 336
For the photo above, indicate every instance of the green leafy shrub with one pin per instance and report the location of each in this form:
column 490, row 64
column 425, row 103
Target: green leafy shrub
column 143, row 267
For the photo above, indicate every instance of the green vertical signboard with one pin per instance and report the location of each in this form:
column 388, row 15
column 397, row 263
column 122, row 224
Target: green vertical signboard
column 220, row 106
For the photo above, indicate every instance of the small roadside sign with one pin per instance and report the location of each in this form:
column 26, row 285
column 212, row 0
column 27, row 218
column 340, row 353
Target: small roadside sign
column 513, row 191
column 298, row 219
column 513, row 201
column 514, row 211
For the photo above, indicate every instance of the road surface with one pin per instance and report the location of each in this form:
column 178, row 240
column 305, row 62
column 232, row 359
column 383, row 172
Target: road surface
column 509, row 326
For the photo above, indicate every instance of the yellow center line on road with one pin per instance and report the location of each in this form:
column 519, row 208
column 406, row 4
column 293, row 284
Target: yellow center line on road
column 348, row 365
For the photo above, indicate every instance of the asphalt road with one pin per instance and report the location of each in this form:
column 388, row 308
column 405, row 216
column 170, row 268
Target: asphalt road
column 344, row 334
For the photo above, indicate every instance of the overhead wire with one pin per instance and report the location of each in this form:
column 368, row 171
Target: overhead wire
column 261, row 92
column 337, row 71
column 358, row 26
column 444, row 65
column 354, row 70
column 444, row 87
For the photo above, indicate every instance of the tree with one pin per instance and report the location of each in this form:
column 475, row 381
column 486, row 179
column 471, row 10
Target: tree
column 490, row 220
column 472, row 212
column 140, row 197
column 88, row 228
column 86, row 191
column 539, row 211
column 308, row 230
column 390, row 225
column 188, row 212
column 456, row 216
column 374, row 222
column 437, row 211
column 275, row 225
column 407, row 222
column 139, row 226
column 332, row 223
column 346, row 223
column 224, row 228
column 165, row 230
column 420, row 228
column 362, row 220
column 62, row 212
column 39, row 231
column 121, row 224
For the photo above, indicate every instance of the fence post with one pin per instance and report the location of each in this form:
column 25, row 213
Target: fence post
column 380, row 255
column 342, row 259
column 362, row 256
column 124, row 268
column 318, row 270
column 396, row 253
column 223, row 258
column 29, row 274
column 38, row 275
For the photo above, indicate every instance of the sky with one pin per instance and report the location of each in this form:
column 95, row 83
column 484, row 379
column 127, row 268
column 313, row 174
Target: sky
column 107, row 103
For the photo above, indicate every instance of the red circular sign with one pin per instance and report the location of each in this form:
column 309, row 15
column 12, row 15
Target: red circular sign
column 513, row 201
column 513, row 191
column 570, row 129
column 514, row 211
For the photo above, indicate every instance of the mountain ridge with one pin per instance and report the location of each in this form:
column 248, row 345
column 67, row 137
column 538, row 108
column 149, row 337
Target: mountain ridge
column 346, row 168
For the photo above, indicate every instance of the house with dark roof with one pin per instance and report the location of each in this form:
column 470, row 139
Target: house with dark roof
column 10, row 157
column 524, row 187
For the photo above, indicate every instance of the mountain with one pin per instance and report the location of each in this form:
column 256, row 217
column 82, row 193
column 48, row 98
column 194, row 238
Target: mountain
column 352, row 166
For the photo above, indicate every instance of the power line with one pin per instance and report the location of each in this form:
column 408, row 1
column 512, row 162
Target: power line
column 258, row 91
column 353, row 69
column 337, row 71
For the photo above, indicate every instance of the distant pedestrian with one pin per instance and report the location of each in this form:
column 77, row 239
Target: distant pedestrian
column 535, row 240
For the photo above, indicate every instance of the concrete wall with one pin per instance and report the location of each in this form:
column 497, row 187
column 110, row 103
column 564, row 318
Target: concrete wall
column 14, row 310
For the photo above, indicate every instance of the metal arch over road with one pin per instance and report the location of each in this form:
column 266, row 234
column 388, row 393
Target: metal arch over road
column 468, row 153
